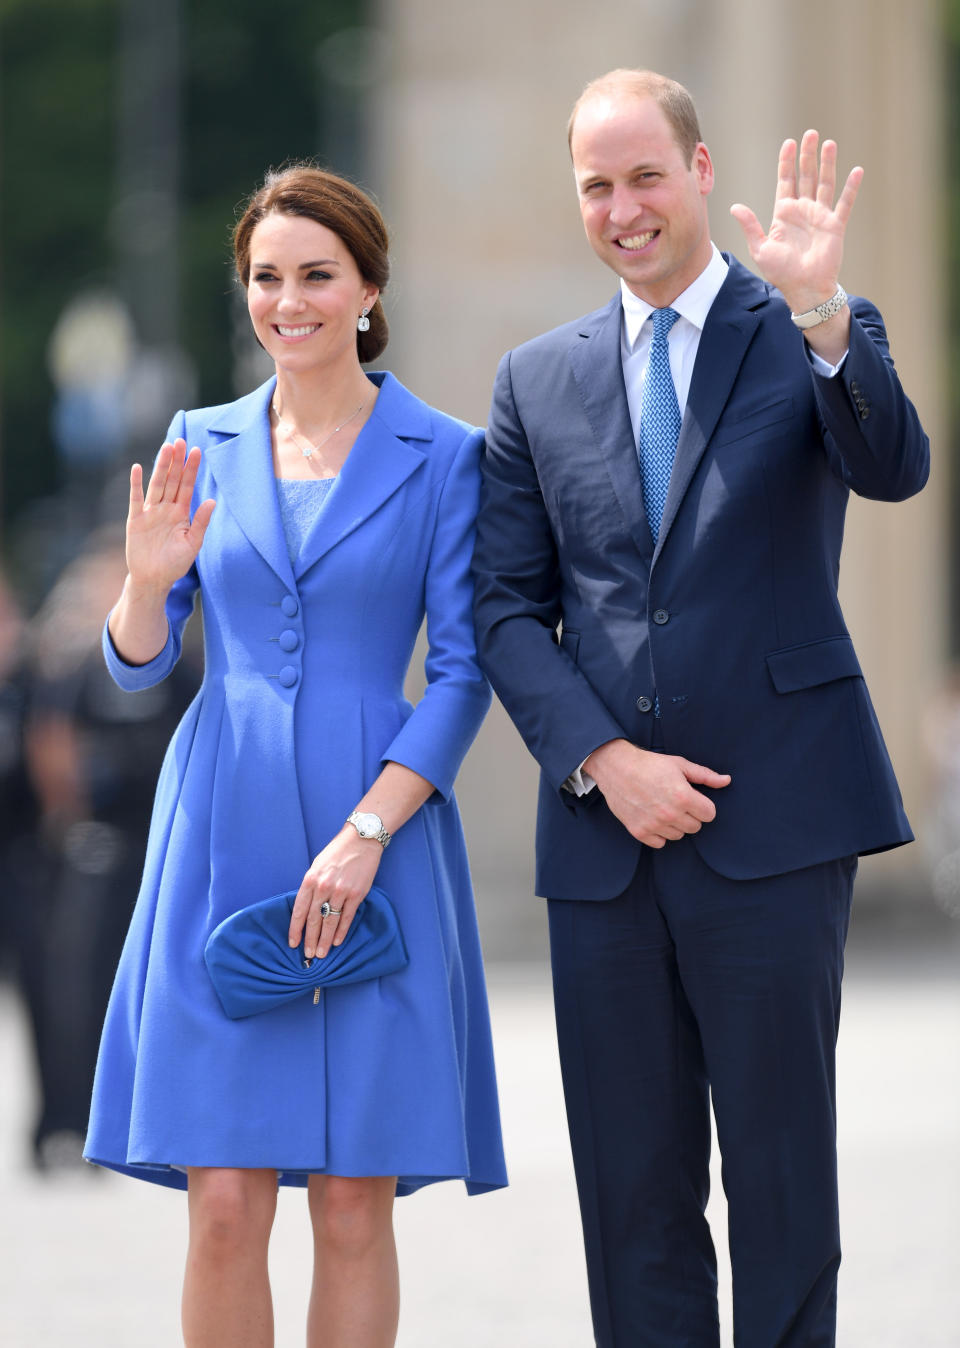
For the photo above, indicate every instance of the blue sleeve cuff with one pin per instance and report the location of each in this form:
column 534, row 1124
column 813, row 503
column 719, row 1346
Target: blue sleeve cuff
column 133, row 678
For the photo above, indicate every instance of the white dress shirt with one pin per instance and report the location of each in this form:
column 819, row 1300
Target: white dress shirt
column 683, row 342
column 636, row 335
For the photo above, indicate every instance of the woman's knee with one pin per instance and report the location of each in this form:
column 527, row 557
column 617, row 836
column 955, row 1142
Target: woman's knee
column 351, row 1216
column 231, row 1209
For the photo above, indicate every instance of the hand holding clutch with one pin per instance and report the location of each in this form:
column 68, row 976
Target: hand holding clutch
column 254, row 969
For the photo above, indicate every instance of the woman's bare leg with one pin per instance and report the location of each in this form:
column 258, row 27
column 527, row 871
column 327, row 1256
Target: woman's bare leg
column 355, row 1301
column 226, row 1288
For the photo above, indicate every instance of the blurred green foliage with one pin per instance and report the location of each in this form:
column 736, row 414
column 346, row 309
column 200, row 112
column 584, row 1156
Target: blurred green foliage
column 56, row 93
column 250, row 96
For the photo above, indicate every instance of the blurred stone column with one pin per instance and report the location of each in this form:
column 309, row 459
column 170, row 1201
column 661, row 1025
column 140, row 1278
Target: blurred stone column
column 144, row 221
column 148, row 166
column 869, row 74
column 472, row 166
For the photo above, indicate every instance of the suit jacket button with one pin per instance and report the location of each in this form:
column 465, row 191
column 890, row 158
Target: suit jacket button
column 854, row 388
column 289, row 606
column 288, row 676
column 661, row 616
column 289, row 641
column 644, row 704
column 864, row 413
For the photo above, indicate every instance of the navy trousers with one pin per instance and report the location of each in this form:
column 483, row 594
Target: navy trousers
column 689, row 985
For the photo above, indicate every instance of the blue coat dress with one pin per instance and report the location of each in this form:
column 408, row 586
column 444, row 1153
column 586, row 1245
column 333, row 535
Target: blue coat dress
column 301, row 704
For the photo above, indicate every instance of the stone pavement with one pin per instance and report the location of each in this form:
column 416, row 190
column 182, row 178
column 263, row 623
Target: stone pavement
column 94, row 1261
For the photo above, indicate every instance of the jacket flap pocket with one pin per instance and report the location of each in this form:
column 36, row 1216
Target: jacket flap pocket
column 755, row 419
column 815, row 662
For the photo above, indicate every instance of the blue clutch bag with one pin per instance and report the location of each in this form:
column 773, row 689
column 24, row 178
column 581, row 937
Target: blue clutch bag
column 254, row 969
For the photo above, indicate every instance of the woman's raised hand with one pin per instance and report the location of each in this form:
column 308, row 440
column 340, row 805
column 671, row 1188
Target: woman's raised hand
column 162, row 541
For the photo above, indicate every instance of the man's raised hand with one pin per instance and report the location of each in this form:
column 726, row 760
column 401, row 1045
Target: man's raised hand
column 802, row 252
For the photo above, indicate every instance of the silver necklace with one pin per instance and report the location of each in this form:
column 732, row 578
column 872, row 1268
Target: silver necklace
column 305, row 447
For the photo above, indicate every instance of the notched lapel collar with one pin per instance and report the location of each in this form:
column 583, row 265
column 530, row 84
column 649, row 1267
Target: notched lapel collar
column 242, row 466
column 379, row 463
column 598, row 371
column 730, row 328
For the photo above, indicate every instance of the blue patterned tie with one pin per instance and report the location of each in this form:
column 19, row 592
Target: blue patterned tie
column 659, row 421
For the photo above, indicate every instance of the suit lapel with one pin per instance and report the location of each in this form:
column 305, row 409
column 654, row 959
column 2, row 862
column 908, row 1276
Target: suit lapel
column 379, row 463
column 242, row 465
column 598, row 371
column 730, row 328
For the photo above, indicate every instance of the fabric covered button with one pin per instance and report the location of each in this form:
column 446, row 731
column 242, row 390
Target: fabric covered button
column 289, row 641
column 661, row 616
column 288, row 676
column 644, row 704
column 289, row 606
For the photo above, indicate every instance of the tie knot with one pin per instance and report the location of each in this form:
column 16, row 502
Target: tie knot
column 663, row 321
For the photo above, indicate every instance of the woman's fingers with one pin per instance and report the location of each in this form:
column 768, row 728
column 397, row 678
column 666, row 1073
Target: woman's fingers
column 188, row 476
column 174, row 474
column 331, row 926
column 158, row 478
column 198, row 526
column 136, row 491
column 178, row 473
column 334, row 928
column 312, row 930
column 321, row 923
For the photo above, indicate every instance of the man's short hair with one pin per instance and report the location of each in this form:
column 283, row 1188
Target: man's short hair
column 672, row 98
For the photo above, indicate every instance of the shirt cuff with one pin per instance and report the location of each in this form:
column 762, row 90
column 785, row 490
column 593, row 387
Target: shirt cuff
column 824, row 367
column 579, row 782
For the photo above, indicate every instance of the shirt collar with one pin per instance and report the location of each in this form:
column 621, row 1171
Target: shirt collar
column 693, row 304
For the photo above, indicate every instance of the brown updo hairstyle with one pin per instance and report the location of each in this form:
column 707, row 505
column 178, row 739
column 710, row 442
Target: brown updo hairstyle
column 341, row 207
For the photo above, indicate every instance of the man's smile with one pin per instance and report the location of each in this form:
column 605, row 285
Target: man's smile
column 633, row 243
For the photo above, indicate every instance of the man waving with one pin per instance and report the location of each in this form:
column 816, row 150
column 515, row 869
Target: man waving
column 665, row 484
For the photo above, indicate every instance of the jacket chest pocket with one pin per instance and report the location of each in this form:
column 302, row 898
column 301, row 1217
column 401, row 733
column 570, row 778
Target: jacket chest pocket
column 770, row 418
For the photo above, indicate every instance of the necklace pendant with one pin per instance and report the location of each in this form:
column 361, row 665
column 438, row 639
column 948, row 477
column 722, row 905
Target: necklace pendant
column 307, row 453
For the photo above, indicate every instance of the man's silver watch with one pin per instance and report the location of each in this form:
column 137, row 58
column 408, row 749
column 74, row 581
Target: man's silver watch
column 812, row 318
column 369, row 825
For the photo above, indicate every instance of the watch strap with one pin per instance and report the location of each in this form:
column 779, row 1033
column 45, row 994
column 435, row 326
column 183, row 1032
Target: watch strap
column 812, row 318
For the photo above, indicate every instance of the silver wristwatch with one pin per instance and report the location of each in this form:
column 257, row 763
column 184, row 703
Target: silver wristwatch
column 812, row 318
column 369, row 825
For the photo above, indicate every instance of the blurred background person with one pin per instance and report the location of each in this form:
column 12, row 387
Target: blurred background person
column 21, row 870
column 91, row 755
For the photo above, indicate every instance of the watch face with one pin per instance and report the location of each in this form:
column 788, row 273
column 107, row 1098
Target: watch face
column 368, row 825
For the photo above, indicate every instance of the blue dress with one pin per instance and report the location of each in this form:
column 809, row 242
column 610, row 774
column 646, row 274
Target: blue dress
column 301, row 704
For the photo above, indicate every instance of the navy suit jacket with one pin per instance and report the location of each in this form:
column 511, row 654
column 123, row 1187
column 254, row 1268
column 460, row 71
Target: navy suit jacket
column 731, row 620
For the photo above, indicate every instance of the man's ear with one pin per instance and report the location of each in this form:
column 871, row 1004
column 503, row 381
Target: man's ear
column 703, row 167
